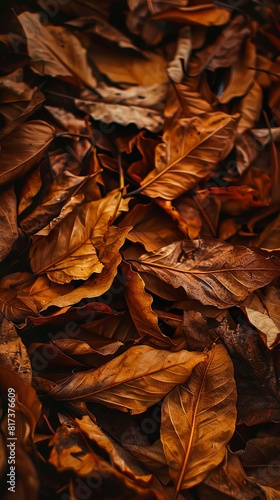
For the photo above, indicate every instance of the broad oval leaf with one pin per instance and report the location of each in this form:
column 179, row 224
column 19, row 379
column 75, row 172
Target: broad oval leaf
column 133, row 381
column 191, row 147
column 198, row 420
column 211, row 271
column 56, row 51
column 31, row 140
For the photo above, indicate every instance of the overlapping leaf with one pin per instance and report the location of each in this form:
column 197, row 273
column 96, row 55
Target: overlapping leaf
column 198, row 420
column 191, row 148
column 133, row 381
column 213, row 272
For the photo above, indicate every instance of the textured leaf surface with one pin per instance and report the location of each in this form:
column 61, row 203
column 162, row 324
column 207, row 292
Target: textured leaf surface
column 133, row 381
column 198, row 420
column 191, row 148
column 213, row 272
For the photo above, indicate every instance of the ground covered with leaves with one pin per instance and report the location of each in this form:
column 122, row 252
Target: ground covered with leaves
column 139, row 247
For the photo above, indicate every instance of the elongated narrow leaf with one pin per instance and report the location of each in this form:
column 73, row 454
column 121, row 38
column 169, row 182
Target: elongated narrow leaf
column 139, row 303
column 31, row 140
column 8, row 221
column 70, row 250
column 211, row 271
column 132, row 381
column 191, row 147
column 198, row 420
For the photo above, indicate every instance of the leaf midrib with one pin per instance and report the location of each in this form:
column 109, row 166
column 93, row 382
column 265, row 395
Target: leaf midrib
column 178, row 160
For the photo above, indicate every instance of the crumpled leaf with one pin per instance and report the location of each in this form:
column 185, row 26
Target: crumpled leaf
column 191, row 148
column 70, row 251
column 13, row 354
column 140, row 105
column 263, row 311
column 94, row 287
column 139, row 303
column 213, row 272
column 224, row 51
column 198, row 420
column 69, row 453
column 177, row 68
column 132, row 381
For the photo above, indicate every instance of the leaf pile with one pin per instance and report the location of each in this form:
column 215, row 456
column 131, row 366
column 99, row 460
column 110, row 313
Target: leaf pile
column 139, row 248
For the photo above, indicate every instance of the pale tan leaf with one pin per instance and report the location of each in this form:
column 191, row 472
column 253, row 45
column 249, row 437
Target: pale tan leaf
column 263, row 311
column 140, row 105
column 177, row 68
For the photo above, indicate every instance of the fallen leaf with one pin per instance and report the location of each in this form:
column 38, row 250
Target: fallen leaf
column 191, row 148
column 94, row 287
column 198, row 420
column 139, row 303
column 32, row 139
column 132, row 381
column 140, row 105
column 70, row 251
column 56, row 51
column 8, row 221
column 213, row 272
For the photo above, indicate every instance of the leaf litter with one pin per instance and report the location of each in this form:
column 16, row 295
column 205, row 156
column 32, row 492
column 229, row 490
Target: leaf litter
column 140, row 249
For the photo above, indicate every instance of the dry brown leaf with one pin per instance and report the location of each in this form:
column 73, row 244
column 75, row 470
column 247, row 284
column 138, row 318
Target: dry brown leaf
column 70, row 251
column 191, row 148
column 64, row 187
column 56, row 51
column 8, row 221
column 17, row 305
column 229, row 481
column 13, row 354
column 263, row 313
column 32, row 139
column 140, row 105
column 241, row 75
column 69, row 453
column 110, row 257
column 139, row 303
column 204, row 14
column 177, row 68
column 119, row 457
column 133, row 381
column 213, row 272
column 198, row 420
